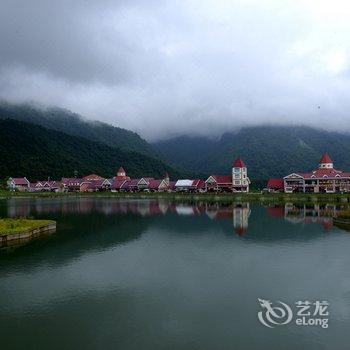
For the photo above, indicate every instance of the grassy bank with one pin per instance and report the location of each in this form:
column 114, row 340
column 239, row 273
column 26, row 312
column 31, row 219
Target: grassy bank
column 9, row 226
column 223, row 197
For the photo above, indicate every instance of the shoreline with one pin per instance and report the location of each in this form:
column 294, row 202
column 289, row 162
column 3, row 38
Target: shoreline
column 212, row 197
column 17, row 238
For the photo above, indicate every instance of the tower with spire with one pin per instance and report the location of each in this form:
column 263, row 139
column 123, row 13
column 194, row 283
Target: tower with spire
column 325, row 162
column 167, row 178
column 121, row 174
column 324, row 179
column 240, row 179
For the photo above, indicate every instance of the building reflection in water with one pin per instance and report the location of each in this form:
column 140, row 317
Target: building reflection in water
column 237, row 213
column 306, row 213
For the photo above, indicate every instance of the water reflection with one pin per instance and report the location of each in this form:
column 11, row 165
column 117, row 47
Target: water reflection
column 307, row 213
column 135, row 273
column 237, row 213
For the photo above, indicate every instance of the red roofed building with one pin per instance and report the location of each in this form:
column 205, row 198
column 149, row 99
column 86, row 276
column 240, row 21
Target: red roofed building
column 144, row 182
column 50, row 186
column 92, row 177
column 96, row 185
column 121, row 175
column 74, row 184
column 158, row 185
column 130, row 185
column 198, row 185
column 324, row 179
column 239, row 163
column 219, row 183
column 171, row 186
column 275, row 185
column 238, row 181
column 154, row 185
column 18, row 183
column 116, row 185
column 190, row 185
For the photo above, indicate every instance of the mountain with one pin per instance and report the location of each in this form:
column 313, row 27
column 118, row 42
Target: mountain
column 36, row 152
column 73, row 124
column 269, row 151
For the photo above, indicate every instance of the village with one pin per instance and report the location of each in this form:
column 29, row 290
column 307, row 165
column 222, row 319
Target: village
column 324, row 179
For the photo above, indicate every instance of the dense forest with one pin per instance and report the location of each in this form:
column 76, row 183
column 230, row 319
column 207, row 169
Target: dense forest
column 66, row 142
column 268, row 151
column 73, row 124
column 38, row 153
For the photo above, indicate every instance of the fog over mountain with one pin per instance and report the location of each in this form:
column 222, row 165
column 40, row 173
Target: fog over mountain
column 165, row 68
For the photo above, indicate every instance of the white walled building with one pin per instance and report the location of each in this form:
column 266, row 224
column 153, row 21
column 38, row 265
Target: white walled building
column 240, row 179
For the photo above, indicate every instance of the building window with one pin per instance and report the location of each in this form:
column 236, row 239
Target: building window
column 237, row 176
column 237, row 182
column 237, row 170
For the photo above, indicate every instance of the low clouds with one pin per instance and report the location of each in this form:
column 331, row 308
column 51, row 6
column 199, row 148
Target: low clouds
column 164, row 68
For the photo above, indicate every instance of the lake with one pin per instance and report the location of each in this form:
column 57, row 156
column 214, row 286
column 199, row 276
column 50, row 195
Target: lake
column 148, row 274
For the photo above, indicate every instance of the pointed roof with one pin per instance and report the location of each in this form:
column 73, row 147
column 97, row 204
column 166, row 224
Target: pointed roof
column 238, row 163
column 222, row 179
column 121, row 170
column 154, row 184
column 20, row 181
column 326, row 159
column 93, row 177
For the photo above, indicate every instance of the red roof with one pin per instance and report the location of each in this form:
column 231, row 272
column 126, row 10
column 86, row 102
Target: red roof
column 238, row 163
column 125, row 185
column 154, row 184
column 171, row 185
column 324, row 173
column 93, row 177
column 97, row 183
column 147, row 179
column 92, row 186
column 132, row 183
column 49, row 184
column 121, row 170
column 275, row 183
column 222, row 179
column 326, row 159
column 198, row 183
column 72, row 181
column 20, row 181
column 117, row 184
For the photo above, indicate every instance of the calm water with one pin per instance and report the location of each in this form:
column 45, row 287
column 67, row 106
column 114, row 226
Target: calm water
column 142, row 274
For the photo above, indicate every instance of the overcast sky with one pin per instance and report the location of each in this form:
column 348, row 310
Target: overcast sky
column 163, row 68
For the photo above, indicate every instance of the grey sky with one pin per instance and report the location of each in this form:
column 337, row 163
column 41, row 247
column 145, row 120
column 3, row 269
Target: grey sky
column 163, row 68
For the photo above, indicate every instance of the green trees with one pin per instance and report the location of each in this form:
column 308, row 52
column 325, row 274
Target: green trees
column 38, row 153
